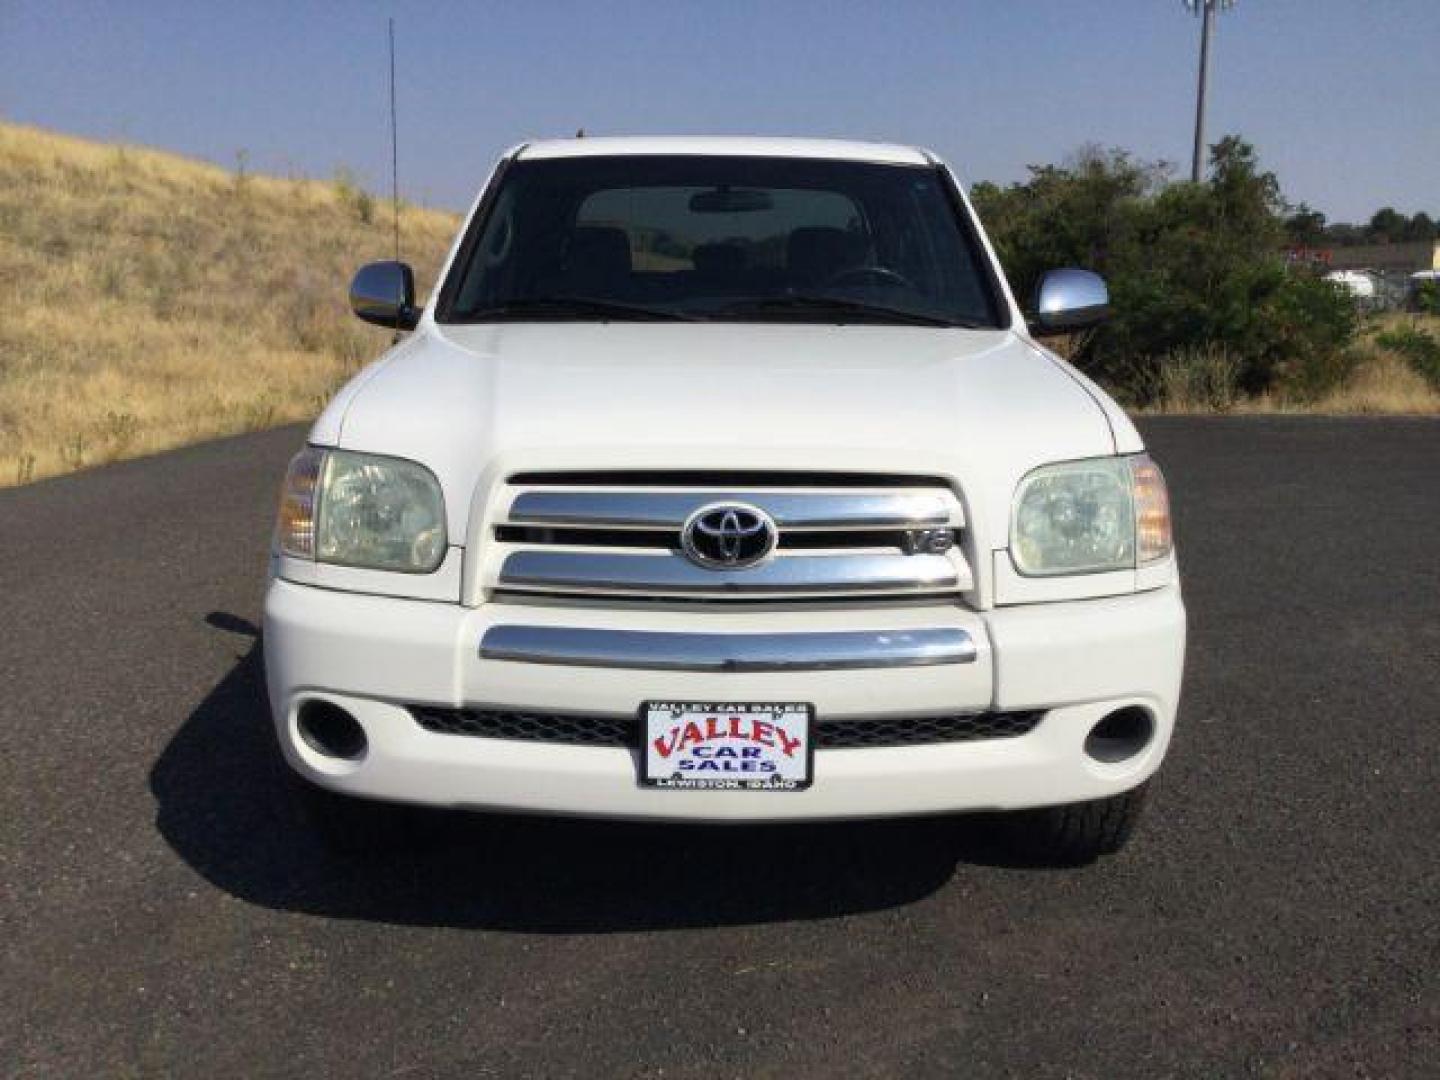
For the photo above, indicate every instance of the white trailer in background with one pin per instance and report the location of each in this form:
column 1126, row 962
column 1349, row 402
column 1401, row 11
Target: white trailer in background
column 1358, row 283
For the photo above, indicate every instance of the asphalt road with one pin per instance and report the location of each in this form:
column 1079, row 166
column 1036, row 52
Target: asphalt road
column 1278, row 913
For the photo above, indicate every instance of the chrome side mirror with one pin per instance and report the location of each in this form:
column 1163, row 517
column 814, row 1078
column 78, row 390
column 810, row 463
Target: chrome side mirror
column 383, row 293
column 1070, row 300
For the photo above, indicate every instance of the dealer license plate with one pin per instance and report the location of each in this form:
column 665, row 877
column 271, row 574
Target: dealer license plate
column 726, row 746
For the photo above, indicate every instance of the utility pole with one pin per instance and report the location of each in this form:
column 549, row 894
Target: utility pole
column 1207, row 10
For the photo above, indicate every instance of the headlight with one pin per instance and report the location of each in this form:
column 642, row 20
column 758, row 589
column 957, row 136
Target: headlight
column 381, row 513
column 1082, row 517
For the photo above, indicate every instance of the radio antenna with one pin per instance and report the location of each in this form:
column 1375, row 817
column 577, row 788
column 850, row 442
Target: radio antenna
column 394, row 147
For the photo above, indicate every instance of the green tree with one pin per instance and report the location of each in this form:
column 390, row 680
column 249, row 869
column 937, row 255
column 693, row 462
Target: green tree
column 1388, row 225
column 1189, row 265
column 1341, row 233
column 1421, row 227
column 1305, row 227
column 1081, row 213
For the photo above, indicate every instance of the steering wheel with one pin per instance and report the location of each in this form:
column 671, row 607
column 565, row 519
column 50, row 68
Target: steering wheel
column 863, row 275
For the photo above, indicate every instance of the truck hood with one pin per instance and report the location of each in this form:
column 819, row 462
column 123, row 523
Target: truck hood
column 477, row 402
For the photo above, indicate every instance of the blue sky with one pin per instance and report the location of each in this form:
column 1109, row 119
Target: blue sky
column 1341, row 96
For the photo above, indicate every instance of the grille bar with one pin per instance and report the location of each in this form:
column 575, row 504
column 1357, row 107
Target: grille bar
column 851, row 734
column 834, row 650
column 669, row 539
column 720, row 479
column 789, row 509
column 613, row 571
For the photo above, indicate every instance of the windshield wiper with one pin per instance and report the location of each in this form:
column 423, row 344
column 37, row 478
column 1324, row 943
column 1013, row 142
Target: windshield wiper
column 562, row 306
column 839, row 305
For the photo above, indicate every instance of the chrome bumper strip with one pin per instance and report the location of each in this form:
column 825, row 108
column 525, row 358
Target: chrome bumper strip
column 794, row 510
column 676, row 575
column 821, row 651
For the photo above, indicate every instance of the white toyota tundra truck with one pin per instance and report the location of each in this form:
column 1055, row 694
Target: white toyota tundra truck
column 724, row 480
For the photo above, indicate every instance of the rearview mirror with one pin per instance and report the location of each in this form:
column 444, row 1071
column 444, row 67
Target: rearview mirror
column 728, row 200
column 1070, row 300
column 383, row 293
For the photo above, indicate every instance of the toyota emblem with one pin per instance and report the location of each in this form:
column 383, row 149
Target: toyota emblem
column 728, row 536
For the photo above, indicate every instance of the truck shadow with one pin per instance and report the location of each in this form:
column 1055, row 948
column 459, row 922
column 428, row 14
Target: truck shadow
column 224, row 806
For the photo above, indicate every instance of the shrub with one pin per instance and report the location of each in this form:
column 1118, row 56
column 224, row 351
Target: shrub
column 1427, row 298
column 1202, row 378
column 1420, row 349
column 1199, row 379
column 1383, row 382
column 1318, row 374
column 1306, row 330
column 353, row 197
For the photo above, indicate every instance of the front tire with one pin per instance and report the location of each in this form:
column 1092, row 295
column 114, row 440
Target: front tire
column 1078, row 833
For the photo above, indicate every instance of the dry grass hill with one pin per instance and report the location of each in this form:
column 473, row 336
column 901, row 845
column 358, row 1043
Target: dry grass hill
column 150, row 300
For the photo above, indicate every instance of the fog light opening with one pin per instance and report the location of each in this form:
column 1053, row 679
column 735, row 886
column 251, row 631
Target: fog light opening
column 1120, row 735
column 330, row 730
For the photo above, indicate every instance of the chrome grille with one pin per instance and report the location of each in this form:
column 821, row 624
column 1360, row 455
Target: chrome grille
column 840, row 535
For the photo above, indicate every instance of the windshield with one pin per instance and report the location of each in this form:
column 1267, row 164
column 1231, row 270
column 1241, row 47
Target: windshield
column 722, row 239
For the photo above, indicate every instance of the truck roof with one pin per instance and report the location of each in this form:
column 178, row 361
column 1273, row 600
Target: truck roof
column 832, row 149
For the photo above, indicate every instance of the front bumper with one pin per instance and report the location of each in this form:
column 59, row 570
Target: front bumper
column 373, row 655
